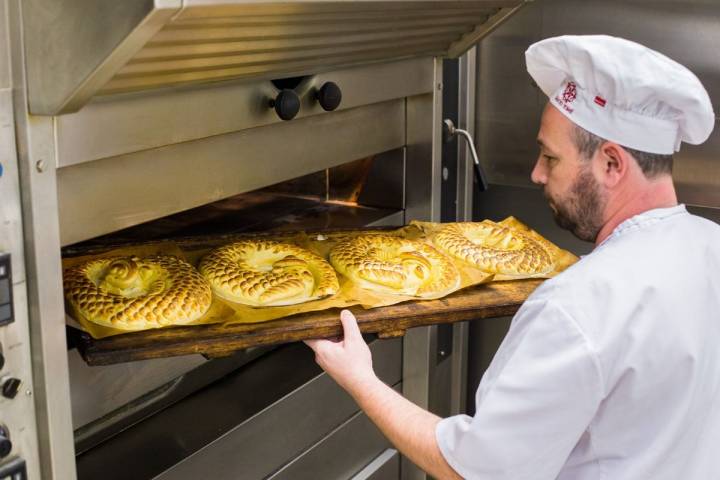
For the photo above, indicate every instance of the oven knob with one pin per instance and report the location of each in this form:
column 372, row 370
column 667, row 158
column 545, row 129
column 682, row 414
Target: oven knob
column 286, row 104
column 5, row 443
column 329, row 96
column 10, row 387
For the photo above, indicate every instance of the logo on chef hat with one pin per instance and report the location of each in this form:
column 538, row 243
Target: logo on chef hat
column 570, row 92
column 565, row 96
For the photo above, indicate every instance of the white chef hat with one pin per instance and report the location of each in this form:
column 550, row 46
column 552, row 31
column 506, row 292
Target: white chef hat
column 622, row 91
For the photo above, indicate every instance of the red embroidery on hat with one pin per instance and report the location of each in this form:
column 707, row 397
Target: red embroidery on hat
column 570, row 92
column 600, row 101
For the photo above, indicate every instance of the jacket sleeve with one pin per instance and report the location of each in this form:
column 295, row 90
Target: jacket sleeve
column 533, row 404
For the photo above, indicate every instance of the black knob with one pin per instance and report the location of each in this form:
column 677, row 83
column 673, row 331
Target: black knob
column 2, row 361
column 5, row 443
column 286, row 104
column 329, row 96
column 10, row 387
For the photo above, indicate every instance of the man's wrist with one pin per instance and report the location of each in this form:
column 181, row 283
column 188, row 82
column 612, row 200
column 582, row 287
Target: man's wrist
column 366, row 388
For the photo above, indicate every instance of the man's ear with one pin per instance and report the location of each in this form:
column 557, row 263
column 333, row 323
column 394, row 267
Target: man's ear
column 613, row 162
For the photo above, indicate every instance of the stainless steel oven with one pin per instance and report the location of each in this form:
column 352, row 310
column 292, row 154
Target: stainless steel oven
column 147, row 118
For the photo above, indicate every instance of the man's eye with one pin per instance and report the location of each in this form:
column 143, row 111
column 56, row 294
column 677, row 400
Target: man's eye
column 550, row 159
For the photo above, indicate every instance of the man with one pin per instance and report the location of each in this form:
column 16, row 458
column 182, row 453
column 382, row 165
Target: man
column 611, row 369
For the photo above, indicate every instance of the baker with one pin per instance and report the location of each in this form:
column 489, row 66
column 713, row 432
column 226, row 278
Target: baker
column 611, row 369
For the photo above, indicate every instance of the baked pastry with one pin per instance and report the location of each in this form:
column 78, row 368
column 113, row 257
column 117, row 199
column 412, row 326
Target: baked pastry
column 265, row 273
column 131, row 293
column 494, row 248
column 395, row 265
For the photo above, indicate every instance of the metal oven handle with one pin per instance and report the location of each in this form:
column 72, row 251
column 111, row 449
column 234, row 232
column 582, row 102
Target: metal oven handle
column 449, row 132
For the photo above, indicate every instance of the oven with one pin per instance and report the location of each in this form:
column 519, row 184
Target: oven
column 149, row 119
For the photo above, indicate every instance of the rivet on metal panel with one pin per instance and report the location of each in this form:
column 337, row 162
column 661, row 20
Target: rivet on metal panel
column 40, row 165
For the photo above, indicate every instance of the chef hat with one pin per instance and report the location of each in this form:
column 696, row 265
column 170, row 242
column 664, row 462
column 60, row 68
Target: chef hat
column 622, row 91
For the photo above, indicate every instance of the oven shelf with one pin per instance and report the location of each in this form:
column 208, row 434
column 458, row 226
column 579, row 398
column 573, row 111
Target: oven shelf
column 496, row 299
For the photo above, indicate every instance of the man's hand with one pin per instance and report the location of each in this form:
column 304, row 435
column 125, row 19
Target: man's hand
column 348, row 361
column 410, row 428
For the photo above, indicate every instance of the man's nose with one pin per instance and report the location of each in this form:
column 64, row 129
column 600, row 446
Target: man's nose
column 539, row 173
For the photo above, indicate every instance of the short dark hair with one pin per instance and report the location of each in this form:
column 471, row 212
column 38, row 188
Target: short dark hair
column 651, row 164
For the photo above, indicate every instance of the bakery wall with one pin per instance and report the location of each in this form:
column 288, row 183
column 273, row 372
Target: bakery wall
column 508, row 108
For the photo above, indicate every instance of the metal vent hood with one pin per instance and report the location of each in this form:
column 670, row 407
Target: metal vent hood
column 78, row 49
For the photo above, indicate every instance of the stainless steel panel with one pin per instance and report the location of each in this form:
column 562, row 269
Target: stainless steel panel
column 144, row 44
column 126, row 395
column 459, row 369
column 273, row 437
column 98, row 391
column 131, row 189
column 18, row 414
column 4, row 52
column 509, row 106
column 11, row 233
column 483, row 30
column 265, row 38
column 422, row 194
column 341, row 454
column 45, row 319
column 74, row 47
column 385, row 467
column 128, row 124
column 466, row 121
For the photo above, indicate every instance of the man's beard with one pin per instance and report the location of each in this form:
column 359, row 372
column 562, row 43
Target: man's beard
column 581, row 213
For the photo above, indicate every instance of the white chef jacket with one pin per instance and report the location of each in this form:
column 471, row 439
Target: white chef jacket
column 611, row 370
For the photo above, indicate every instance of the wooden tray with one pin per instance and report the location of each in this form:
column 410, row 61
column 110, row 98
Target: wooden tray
column 496, row 299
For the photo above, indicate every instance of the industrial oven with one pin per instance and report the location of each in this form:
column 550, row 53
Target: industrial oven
column 145, row 119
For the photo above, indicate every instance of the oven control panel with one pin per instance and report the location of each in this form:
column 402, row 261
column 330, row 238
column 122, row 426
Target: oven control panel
column 18, row 442
column 6, row 306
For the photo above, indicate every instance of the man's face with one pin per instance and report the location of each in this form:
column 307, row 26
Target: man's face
column 574, row 194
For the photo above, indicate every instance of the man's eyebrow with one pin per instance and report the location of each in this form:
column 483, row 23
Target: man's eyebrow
column 545, row 147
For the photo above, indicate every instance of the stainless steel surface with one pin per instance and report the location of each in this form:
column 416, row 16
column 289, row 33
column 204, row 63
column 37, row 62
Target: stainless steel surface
column 466, row 119
column 385, row 467
column 345, row 451
column 128, row 158
column 277, row 433
column 131, row 189
column 143, row 388
column 423, row 179
column 483, row 30
column 120, row 125
column 75, row 47
column 46, row 323
column 96, row 392
column 509, row 107
column 17, row 415
column 4, row 52
column 459, row 368
column 142, row 45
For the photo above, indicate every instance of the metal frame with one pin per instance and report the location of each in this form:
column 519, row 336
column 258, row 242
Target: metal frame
column 58, row 180
column 138, row 45
column 46, row 323
column 17, row 414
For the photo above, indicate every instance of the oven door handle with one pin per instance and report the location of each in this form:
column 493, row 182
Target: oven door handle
column 450, row 132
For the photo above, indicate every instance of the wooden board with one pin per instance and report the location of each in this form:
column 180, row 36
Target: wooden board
column 496, row 299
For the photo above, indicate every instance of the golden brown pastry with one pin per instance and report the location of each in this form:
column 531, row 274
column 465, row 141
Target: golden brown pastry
column 494, row 248
column 131, row 293
column 264, row 273
column 395, row 265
